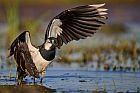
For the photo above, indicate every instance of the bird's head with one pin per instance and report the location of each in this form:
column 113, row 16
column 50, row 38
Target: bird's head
column 50, row 44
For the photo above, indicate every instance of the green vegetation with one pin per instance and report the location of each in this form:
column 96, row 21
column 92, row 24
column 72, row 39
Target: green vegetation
column 123, row 50
column 12, row 20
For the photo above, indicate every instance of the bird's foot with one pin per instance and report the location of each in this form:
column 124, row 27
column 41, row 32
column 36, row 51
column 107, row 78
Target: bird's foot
column 20, row 82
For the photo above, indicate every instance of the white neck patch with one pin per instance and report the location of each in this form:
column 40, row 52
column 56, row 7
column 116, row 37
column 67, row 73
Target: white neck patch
column 47, row 45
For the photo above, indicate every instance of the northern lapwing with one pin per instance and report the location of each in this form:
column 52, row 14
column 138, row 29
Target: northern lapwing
column 72, row 24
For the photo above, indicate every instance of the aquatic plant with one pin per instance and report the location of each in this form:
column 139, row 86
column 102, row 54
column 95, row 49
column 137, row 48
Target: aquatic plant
column 114, row 84
column 97, row 86
column 104, row 86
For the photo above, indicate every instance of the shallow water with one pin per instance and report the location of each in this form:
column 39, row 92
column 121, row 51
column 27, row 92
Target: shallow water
column 81, row 81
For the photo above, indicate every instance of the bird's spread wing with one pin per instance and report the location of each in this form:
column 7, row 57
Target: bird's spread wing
column 19, row 48
column 76, row 23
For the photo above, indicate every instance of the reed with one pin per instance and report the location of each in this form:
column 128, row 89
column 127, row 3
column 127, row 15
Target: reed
column 10, row 72
column 114, row 84
column 104, row 86
column 12, row 17
column 97, row 86
column 14, row 22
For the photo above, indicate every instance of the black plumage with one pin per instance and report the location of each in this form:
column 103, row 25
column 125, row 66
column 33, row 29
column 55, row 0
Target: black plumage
column 25, row 64
column 47, row 54
column 79, row 23
column 72, row 24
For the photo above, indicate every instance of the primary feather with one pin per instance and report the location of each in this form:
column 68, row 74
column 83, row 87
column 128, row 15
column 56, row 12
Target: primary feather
column 76, row 23
column 72, row 24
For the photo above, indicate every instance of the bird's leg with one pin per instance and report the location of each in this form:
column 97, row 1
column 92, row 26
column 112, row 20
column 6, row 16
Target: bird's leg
column 41, row 79
column 20, row 80
column 34, row 79
column 19, row 76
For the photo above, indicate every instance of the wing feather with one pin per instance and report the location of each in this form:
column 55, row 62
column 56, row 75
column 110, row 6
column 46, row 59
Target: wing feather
column 76, row 23
column 19, row 48
column 69, row 33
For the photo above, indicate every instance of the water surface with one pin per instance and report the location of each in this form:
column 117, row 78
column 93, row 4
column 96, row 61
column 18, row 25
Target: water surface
column 85, row 81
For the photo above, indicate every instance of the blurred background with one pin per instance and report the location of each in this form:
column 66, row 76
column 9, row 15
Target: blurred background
column 116, row 47
column 108, row 61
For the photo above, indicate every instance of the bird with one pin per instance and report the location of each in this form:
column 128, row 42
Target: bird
column 72, row 24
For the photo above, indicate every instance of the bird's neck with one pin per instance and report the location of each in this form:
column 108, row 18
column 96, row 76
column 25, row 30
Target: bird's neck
column 47, row 54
